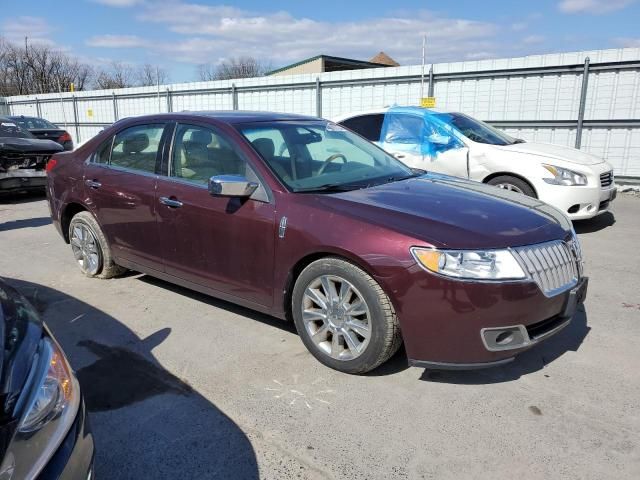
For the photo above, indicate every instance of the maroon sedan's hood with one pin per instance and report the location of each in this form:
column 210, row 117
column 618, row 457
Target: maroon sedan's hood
column 452, row 212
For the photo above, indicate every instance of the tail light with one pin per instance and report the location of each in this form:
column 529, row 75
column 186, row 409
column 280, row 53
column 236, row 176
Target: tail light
column 51, row 164
column 65, row 137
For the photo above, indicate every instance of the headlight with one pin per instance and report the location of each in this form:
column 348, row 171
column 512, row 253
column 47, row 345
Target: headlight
column 468, row 264
column 563, row 176
column 53, row 391
column 47, row 406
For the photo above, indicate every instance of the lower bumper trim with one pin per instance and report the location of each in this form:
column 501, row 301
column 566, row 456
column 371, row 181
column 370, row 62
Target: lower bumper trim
column 458, row 366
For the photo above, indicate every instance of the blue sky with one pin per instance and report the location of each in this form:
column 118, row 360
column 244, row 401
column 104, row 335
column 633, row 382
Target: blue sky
column 180, row 34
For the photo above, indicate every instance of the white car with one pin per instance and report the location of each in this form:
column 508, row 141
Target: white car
column 579, row 184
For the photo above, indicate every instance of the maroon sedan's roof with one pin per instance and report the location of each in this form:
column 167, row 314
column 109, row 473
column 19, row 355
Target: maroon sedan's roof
column 242, row 116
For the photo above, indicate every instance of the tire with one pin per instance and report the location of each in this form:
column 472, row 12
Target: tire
column 341, row 340
column 513, row 184
column 90, row 247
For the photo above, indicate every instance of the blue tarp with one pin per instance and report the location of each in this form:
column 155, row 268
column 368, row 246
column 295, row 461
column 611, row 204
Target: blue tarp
column 416, row 130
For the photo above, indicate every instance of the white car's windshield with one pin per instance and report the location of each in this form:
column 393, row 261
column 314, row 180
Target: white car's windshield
column 322, row 156
column 476, row 130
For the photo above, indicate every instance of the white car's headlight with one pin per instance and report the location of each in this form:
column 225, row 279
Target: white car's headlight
column 470, row 264
column 563, row 176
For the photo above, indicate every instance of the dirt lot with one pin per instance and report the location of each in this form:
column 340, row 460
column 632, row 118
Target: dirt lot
column 181, row 385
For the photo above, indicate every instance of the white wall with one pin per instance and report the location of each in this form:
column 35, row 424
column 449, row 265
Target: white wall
column 535, row 97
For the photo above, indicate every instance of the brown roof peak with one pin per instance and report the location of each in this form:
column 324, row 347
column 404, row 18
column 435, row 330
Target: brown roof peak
column 384, row 59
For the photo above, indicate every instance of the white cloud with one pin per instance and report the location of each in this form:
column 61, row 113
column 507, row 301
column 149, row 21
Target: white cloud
column 117, row 41
column 596, row 7
column 628, row 42
column 35, row 28
column 533, row 39
column 119, row 3
column 212, row 32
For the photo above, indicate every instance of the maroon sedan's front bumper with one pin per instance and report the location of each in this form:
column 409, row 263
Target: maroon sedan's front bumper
column 450, row 324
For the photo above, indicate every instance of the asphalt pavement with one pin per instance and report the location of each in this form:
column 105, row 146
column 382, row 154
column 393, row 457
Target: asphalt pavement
column 181, row 385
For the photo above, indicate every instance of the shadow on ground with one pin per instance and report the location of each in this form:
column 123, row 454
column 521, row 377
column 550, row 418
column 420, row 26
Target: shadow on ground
column 22, row 197
column 568, row 339
column 26, row 223
column 147, row 422
column 595, row 224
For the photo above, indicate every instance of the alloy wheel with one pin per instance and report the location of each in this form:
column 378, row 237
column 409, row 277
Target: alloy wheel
column 509, row 186
column 85, row 248
column 336, row 317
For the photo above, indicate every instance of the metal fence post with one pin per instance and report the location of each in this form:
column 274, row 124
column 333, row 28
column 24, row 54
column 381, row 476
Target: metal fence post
column 234, row 96
column 75, row 118
column 115, row 106
column 583, row 101
column 318, row 98
column 38, row 112
column 431, row 85
column 169, row 103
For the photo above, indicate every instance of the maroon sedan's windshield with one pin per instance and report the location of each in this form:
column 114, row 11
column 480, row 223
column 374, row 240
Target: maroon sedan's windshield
column 311, row 156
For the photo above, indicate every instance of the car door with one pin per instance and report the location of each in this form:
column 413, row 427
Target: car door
column 420, row 141
column 120, row 187
column 225, row 244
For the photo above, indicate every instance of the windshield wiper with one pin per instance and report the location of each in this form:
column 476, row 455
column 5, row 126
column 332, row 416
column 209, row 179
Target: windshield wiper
column 331, row 187
column 518, row 140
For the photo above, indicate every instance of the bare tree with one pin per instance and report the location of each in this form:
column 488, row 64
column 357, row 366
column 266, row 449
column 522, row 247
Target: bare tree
column 206, row 72
column 116, row 75
column 148, row 75
column 240, row 67
column 39, row 69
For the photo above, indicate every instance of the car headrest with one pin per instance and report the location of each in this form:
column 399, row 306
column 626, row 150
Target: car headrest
column 265, row 147
column 135, row 143
column 201, row 136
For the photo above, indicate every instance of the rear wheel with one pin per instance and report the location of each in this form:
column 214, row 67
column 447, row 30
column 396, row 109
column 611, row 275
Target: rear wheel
column 344, row 317
column 513, row 184
column 90, row 247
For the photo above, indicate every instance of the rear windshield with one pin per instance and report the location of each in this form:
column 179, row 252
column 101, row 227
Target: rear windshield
column 13, row 130
column 33, row 123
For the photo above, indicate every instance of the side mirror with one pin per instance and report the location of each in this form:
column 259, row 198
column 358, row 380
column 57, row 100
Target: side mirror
column 231, row 186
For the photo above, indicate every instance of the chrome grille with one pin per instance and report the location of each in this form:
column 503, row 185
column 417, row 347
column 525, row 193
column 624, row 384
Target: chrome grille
column 554, row 266
column 606, row 178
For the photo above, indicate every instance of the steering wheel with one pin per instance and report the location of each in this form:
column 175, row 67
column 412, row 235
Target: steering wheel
column 333, row 157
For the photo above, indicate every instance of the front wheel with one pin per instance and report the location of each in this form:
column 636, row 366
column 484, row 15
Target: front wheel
column 90, row 247
column 344, row 317
column 513, row 184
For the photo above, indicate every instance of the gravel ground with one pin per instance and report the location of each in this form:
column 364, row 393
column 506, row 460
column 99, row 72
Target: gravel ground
column 181, row 385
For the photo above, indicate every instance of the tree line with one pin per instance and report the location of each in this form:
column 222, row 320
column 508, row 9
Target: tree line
column 38, row 68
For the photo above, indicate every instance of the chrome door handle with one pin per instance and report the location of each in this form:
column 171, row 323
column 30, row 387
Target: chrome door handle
column 92, row 183
column 170, row 202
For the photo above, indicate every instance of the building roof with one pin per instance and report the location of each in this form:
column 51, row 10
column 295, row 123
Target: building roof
column 384, row 59
column 328, row 58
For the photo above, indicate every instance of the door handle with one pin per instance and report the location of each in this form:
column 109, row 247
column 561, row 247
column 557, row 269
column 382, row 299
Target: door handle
column 92, row 183
column 170, row 202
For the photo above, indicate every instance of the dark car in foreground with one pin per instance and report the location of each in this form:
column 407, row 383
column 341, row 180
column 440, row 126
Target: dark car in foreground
column 44, row 130
column 23, row 158
column 43, row 423
column 304, row 220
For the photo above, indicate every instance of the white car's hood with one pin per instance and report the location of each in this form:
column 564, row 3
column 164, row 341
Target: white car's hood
column 558, row 152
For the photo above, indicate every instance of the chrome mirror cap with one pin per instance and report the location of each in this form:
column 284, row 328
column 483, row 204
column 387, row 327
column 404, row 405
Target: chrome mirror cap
column 231, row 186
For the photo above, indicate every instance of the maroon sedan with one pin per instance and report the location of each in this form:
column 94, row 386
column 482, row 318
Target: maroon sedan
column 304, row 220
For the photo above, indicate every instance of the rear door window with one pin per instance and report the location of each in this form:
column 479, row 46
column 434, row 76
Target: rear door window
column 136, row 148
column 368, row 126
